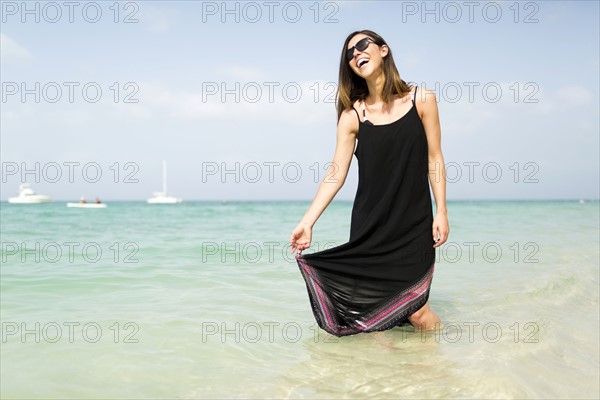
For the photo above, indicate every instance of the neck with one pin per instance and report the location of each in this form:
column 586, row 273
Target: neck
column 375, row 86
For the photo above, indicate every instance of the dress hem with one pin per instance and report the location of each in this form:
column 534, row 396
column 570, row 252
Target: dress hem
column 393, row 312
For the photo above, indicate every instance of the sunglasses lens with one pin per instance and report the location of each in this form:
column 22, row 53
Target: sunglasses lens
column 361, row 45
column 350, row 53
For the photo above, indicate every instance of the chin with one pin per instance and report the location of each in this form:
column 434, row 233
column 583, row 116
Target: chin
column 366, row 72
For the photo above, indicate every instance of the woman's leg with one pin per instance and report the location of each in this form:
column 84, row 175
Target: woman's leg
column 425, row 319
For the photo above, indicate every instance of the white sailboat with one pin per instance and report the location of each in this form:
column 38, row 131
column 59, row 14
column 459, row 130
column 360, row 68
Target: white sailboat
column 28, row 196
column 163, row 197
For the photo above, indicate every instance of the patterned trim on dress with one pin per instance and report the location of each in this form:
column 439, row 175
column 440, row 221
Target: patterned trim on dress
column 382, row 318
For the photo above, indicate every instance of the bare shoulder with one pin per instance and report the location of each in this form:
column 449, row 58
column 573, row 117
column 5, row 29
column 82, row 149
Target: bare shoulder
column 348, row 122
column 425, row 101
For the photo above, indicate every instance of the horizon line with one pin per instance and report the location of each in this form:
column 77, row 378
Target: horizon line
column 309, row 200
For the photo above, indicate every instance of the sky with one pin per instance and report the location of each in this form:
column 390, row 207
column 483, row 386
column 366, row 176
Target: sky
column 238, row 97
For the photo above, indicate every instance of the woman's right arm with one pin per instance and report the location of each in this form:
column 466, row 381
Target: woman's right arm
column 334, row 179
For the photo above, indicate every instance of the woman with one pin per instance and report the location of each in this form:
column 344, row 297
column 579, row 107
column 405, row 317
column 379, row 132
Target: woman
column 380, row 278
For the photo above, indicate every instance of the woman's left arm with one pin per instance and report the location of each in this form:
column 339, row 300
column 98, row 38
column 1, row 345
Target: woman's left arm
column 437, row 171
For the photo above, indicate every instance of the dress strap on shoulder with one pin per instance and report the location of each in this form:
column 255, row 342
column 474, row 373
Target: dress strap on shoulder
column 357, row 114
column 364, row 110
column 415, row 95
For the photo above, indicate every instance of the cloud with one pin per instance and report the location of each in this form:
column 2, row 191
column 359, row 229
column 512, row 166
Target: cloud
column 471, row 116
column 295, row 102
column 573, row 96
column 12, row 53
column 553, row 101
column 309, row 102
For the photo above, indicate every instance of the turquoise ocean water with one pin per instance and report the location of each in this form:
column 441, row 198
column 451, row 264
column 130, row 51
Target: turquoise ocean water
column 204, row 300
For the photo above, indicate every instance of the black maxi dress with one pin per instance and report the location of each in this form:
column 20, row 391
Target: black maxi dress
column 383, row 274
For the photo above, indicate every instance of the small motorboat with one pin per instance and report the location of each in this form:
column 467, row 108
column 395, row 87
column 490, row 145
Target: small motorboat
column 86, row 205
column 28, row 196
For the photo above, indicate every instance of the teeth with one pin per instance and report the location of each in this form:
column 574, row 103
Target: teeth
column 362, row 62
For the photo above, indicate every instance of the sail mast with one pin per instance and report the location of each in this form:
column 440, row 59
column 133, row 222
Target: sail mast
column 165, row 177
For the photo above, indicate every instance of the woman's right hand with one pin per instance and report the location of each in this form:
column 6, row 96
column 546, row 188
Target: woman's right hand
column 301, row 237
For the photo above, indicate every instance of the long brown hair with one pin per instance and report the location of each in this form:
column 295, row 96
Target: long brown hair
column 352, row 87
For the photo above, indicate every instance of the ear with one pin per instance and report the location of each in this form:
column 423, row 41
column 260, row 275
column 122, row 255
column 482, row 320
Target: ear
column 383, row 50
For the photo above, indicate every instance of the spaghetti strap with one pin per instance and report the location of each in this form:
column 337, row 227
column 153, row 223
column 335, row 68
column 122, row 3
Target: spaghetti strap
column 357, row 114
column 415, row 95
column 364, row 110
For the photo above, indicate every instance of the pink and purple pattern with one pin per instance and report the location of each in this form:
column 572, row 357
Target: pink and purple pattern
column 383, row 317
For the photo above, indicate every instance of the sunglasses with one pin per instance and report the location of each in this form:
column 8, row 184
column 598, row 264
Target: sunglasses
column 361, row 45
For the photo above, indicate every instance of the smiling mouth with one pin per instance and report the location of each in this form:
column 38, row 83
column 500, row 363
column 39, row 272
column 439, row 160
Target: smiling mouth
column 362, row 62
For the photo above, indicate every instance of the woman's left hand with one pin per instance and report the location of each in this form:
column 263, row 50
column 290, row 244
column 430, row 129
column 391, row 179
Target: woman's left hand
column 441, row 230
